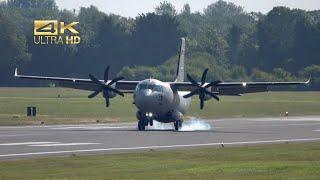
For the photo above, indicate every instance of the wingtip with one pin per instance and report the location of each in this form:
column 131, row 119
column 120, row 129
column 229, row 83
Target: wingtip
column 309, row 80
column 16, row 72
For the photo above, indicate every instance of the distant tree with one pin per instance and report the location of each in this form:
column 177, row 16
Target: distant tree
column 249, row 55
column 258, row 75
column 13, row 49
column 42, row 4
column 186, row 9
column 306, row 49
column 282, row 75
column 112, row 40
column 222, row 8
column 233, row 39
column 155, row 38
column 3, row 4
column 208, row 40
column 88, row 22
column 223, row 15
column 191, row 23
column 239, row 73
column 165, row 8
column 276, row 37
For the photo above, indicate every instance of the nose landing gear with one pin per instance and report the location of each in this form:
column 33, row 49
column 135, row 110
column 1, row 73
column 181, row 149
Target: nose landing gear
column 143, row 121
column 141, row 125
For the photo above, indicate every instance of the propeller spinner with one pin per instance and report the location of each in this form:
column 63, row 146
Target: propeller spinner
column 105, row 87
column 201, row 89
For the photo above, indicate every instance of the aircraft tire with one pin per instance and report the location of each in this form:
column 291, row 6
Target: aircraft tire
column 141, row 126
column 177, row 125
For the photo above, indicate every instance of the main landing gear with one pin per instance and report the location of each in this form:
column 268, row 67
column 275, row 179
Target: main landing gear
column 177, row 125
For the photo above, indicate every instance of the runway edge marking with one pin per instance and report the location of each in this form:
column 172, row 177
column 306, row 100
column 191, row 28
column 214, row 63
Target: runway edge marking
column 159, row 147
column 25, row 143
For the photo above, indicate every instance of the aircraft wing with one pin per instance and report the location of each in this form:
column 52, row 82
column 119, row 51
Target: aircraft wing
column 237, row 88
column 83, row 84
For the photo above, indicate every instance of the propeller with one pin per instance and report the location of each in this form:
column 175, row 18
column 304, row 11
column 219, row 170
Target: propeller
column 201, row 89
column 105, row 87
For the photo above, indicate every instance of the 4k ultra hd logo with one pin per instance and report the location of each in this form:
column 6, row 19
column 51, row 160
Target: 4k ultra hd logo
column 55, row 32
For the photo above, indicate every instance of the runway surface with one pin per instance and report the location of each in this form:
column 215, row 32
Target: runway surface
column 64, row 140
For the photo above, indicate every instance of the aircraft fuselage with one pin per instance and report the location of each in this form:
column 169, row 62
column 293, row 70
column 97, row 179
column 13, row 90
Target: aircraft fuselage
column 159, row 100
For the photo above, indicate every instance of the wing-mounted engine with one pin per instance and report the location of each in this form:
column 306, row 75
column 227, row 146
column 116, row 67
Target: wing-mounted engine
column 203, row 90
column 106, row 87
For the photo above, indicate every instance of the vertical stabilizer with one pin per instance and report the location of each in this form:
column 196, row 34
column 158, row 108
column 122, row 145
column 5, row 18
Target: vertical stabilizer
column 180, row 68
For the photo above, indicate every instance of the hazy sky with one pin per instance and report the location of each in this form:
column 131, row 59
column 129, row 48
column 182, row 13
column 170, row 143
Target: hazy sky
column 131, row 8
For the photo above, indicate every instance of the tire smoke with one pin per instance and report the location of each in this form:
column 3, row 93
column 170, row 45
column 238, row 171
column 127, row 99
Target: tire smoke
column 194, row 124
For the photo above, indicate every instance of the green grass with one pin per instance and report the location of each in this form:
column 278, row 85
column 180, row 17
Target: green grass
column 73, row 106
column 281, row 161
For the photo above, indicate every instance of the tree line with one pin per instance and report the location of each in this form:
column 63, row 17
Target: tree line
column 281, row 45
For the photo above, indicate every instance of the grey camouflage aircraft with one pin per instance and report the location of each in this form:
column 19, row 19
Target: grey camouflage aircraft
column 166, row 102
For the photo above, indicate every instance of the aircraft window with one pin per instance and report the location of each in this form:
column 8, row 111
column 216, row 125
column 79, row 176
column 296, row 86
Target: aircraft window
column 150, row 86
column 158, row 88
column 146, row 86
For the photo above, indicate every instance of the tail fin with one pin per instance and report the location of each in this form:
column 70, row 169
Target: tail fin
column 180, row 68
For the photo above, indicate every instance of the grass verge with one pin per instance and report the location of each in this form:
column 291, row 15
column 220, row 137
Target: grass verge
column 277, row 161
column 68, row 106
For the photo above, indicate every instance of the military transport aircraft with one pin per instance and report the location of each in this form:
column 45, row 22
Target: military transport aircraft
column 166, row 102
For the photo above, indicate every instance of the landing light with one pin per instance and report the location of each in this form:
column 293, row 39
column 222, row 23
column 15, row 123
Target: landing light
column 149, row 114
column 244, row 84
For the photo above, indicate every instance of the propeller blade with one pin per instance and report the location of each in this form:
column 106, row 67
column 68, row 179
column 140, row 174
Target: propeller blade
column 201, row 103
column 212, row 84
column 191, row 94
column 106, row 96
column 191, row 80
column 107, row 102
column 94, row 94
column 213, row 95
column 204, row 76
column 116, row 91
column 94, row 79
column 216, row 97
column 106, row 74
column 115, row 80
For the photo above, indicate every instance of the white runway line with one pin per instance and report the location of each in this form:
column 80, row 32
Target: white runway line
column 61, row 144
column 24, row 143
column 17, row 135
column 304, row 124
column 93, row 128
column 293, row 118
column 67, row 125
column 158, row 147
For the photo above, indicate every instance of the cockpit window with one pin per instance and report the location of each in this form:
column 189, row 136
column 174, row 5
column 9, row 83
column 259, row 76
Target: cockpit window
column 158, row 88
column 153, row 87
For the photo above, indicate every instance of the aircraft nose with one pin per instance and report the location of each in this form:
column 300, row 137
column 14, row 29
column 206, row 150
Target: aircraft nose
column 146, row 100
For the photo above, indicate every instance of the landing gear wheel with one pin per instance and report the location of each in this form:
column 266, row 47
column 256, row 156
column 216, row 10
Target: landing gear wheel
column 141, row 126
column 151, row 122
column 177, row 125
